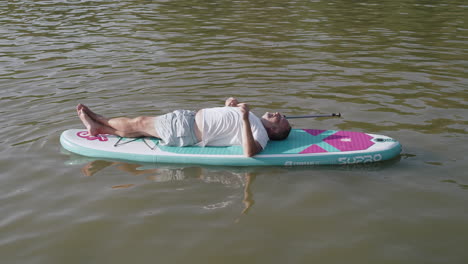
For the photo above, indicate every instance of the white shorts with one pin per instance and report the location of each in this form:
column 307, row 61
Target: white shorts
column 177, row 128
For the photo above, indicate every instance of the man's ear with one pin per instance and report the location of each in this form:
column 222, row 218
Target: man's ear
column 272, row 130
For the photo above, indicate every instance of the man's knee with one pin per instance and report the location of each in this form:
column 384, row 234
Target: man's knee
column 140, row 123
column 144, row 124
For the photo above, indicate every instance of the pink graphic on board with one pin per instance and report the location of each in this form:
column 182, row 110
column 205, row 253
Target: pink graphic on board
column 314, row 132
column 349, row 141
column 86, row 135
column 313, row 149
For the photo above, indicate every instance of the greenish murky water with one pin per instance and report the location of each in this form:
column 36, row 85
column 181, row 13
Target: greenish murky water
column 398, row 68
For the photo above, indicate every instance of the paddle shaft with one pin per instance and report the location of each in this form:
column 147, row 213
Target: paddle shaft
column 314, row 116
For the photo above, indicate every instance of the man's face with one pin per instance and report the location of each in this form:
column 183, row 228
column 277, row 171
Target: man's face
column 277, row 120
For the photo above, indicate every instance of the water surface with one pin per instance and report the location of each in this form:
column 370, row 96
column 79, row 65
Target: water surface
column 397, row 68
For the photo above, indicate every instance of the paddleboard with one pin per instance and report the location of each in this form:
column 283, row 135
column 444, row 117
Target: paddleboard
column 302, row 147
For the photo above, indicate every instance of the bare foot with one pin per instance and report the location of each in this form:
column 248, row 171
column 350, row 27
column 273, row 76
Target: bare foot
column 91, row 125
column 79, row 107
column 95, row 166
column 96, row 117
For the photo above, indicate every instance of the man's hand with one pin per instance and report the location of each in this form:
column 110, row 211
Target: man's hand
column 244, row 108
column 231, row 101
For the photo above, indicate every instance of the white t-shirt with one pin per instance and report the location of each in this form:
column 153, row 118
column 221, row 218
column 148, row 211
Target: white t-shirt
column 222, row 126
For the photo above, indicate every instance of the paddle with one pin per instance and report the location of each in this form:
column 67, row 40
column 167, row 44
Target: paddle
column 314, row 116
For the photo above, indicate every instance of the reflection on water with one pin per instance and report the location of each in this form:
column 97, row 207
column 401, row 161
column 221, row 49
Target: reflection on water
column 231, row 177
column 166, row 173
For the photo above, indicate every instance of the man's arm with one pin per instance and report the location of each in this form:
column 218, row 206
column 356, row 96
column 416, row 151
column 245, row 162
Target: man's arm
column 249, row 144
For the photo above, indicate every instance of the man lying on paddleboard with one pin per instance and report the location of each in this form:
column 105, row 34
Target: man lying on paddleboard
column 230, row 125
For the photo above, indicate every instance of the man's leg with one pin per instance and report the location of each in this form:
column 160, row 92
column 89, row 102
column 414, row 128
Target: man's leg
column 96, row 117
column 142, row 126
column 125, row 127
column 93, row 127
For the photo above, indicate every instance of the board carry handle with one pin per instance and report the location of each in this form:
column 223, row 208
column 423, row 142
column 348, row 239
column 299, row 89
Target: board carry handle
column 314, row 116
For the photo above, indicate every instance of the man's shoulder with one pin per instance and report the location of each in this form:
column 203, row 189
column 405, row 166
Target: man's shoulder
column 254, row 117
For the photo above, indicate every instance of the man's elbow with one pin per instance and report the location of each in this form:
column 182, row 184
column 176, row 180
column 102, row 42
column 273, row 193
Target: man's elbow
column 249, row 154
column 252, row 152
